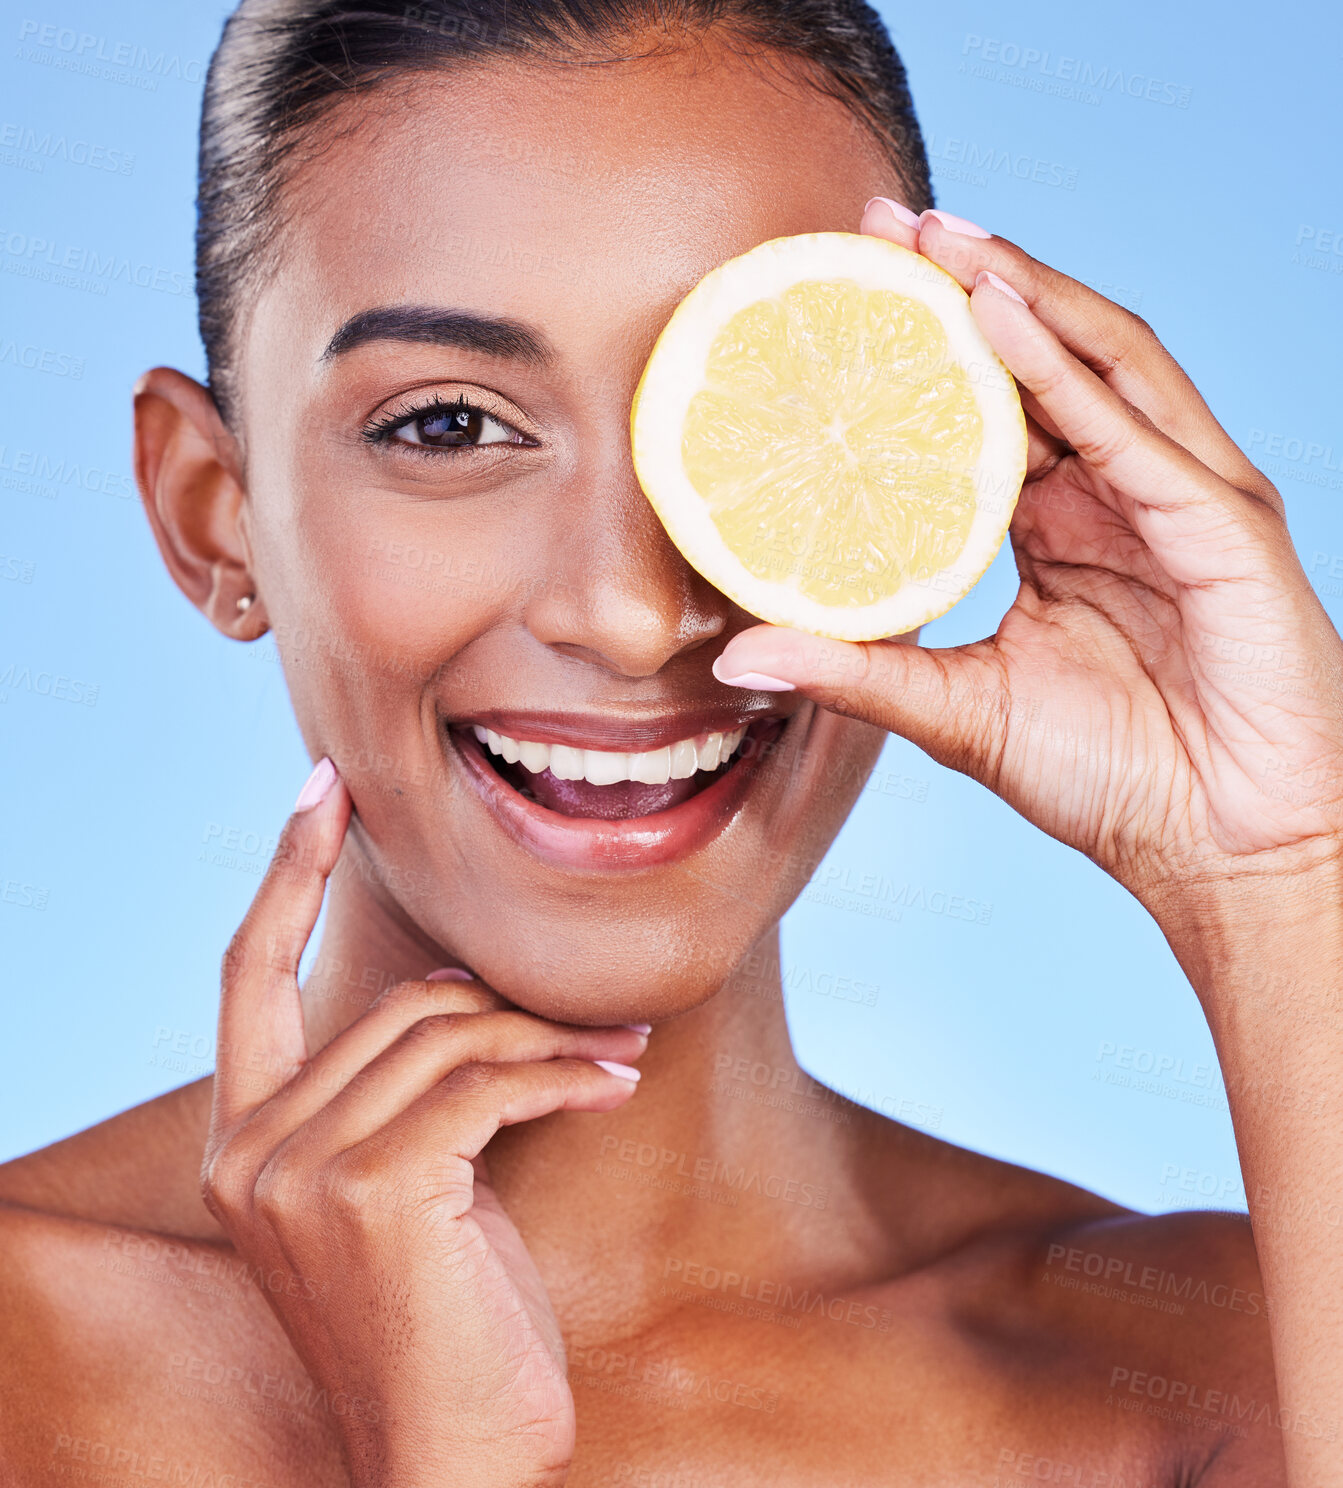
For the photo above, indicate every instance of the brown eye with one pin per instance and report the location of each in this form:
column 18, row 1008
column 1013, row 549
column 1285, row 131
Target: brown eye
column 451, row 428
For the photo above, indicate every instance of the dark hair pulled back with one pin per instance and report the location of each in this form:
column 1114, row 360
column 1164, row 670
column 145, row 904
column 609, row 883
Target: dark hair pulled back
column 281, row 63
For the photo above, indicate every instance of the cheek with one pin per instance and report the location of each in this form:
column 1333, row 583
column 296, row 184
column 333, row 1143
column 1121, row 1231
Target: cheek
column 373, row 598
column 833, row 778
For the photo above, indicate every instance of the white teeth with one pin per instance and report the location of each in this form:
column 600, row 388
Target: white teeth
column 651, row 768
column 601, row 768
column 534, row 757
column 566, row 763
column 684, row 759
column 677, row 761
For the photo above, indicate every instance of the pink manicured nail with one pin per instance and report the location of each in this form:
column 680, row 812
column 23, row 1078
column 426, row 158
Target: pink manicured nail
column 901, row 214
column 623, row 1070
column 644, row 1028
column 316, row 786
column 449, row 974
column 956, row 224
column 757, row 680
column 1001, row 285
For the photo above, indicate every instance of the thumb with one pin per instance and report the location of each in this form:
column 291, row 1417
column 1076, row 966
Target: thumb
column 953, row 703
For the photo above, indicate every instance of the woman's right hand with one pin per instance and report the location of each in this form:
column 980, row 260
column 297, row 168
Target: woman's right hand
column 353, row 1182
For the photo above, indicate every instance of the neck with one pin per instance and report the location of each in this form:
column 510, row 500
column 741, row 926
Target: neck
column 729, row 1156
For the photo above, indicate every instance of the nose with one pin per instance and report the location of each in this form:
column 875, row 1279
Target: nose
column 618, row 593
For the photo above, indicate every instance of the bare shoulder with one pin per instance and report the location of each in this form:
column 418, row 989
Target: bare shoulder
column 1104, row 1335
column 1167, row 1324
column 128, row 1351
column 133, row 1341
column 138, row 1168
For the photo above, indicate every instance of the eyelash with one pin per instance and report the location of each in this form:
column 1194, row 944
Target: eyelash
column 380, row 431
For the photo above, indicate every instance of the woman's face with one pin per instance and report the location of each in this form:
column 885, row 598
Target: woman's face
column 520, row 582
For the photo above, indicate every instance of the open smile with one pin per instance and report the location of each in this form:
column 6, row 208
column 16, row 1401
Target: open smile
column 580, row 803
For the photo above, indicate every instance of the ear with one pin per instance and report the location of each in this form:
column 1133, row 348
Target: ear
column 188, row 466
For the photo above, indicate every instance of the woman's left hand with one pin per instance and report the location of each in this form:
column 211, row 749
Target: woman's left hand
column 1166, row 692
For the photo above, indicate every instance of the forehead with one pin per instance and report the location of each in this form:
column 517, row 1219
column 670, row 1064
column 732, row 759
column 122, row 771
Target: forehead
column 584, row 198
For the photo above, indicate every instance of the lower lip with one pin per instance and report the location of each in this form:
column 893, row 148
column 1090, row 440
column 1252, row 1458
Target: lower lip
column 642, row 841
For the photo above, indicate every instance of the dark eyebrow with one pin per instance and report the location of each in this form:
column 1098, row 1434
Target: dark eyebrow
column 494, row 336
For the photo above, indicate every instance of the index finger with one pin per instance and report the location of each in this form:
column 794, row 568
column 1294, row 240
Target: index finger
column 1117, row 345
column 261, row 1043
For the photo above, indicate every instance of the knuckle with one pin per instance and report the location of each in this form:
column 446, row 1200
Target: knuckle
column 567, row 1074
column 845, row 661
column 474, row 998
column 461, row 997
column 1141, row 332
column 1139, row 416
column 1051, row 379
column 1127, row 340
column 860, row 663
column 288, row 856
column 1034, row 277
column 236, row 958
column 436, row 1029
column 224, row 1181
column 848, row 670
column 474, row 1079
column 575, row 1071
column 574, row 1076
column 257, row 949
column 358, row 1186
column 347, row 1183
column 279, row 1192
column 1268, row 495
column 1103, row 440
column 405, row 995
column 449, row 997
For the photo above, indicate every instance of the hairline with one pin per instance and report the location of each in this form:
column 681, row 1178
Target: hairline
column 294, row 150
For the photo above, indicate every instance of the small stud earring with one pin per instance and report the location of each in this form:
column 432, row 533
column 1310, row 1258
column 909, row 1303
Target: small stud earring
column 245, row 603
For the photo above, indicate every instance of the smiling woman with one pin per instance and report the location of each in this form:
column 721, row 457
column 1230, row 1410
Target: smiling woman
column 449, row 1219
column 401, row 381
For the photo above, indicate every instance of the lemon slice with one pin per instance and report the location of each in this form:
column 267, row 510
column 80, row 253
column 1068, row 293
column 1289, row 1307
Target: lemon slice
column 828, row 437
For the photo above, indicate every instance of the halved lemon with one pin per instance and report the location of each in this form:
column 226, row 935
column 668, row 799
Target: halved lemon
column 828, row 437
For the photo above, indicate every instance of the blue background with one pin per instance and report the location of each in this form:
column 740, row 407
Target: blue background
column 1181, row 159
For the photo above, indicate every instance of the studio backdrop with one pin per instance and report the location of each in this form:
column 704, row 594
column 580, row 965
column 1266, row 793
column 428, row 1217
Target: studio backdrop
column 948, row 964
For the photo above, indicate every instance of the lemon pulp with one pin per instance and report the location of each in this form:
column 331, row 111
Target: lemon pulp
column 834, row 441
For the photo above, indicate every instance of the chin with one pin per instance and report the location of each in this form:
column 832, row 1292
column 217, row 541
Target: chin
column 606, row 977
column 615, row 867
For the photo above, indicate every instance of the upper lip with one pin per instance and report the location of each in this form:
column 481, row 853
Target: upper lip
column 617, row 735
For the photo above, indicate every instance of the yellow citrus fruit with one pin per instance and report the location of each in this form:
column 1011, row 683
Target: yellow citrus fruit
column 828, row 437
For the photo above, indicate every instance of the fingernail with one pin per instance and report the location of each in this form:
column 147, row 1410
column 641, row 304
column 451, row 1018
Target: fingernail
column 1001, row 285
column 644, row 1028
column 316, row 786
column 901, row 214
column 757, row 680
column 956, row 224
column 623, row 1070
column 449, row 974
